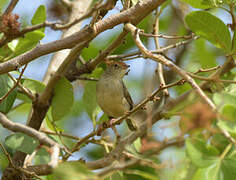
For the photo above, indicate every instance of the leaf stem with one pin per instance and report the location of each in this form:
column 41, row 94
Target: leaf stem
column 225, row 151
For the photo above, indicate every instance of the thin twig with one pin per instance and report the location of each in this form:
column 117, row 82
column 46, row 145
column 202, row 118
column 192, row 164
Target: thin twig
column 28, row 173
column 176, row 44
column 138, row 54
column 25, row 90
column 56, row 25
column 41, row 137
column 17, row 127
column 119, row 120
column 211, row 79
column 7, row 155
column 61, row 133
column 86, row 78
column 15, row 85
column 208, row 69
column 98, row 6
column 167, row 36
column 163, row 60
column 160, row 67
column 11, row 6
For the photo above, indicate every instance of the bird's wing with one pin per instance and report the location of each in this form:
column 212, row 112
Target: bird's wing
column 127, row 96
column 131, row 124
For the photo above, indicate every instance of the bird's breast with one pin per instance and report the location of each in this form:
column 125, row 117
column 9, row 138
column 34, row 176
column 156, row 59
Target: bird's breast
column 110, row 97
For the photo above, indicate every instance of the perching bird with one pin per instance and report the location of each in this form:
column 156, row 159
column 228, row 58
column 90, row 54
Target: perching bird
column 112, row 95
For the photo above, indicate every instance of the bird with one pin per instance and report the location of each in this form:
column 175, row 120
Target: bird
column 111, row 93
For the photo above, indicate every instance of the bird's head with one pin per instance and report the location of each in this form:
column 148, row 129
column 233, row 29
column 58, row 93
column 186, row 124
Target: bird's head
column 117, row 68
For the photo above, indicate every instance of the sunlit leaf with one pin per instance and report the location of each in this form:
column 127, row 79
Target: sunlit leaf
column 29, row 41
column 89, row 96
column 201, row 4
column 200, row 153
column 3, row 4
column 228, row 126
column 143, row 174
column 89, row 99
column 103, row 119
column 39, row 15
column 63, row 99
column 74, row 171
column 135, row 1
column 224, row 98
column 21, row 142
column 229, row 112
column 210, row 27
column 220, row 169
column 6, row 84
column 33, row 85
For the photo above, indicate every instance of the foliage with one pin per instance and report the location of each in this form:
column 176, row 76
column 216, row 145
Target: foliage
column 189, row 142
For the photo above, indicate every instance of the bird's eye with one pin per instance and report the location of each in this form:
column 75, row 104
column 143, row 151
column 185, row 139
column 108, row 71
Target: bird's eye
column 116, row 65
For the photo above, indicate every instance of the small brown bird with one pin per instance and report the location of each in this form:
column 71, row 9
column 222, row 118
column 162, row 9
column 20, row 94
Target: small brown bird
column 112, row 95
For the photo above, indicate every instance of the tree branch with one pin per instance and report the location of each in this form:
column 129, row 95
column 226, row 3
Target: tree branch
column 15, row 85
column 163, row 60
column 11, row 6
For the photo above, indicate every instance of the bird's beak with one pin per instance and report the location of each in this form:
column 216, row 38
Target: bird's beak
column 127, row 72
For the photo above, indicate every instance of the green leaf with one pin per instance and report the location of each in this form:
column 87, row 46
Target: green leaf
column 220, row 141
column 97, row 72
column 234, row 43
column 12, row 45
column 6, row 84
column 219, row 169
column 21, row 109
column 63, row 99
column 39, row 15
column 165, row 5
column 229, row 112
column 6, row 51
column 3, row 4
column 42, row 156
column 143, row 174
column 116, row 176
column 137, row 144
column 33, row 85
column 201, row 4
column 134, row 2
column 21, row 142
column 49, row 122
column 72, row 171
column 89, row 96
column 30, row 40
column 200, row 153
column 211, row 28
column 228, row 168
column 211, row 172
column 224, row 98
column 89, row 99
column 103, row 118
column 203, row 55
column 228, row 126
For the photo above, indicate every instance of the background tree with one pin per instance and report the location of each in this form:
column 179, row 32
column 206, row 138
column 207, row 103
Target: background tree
column 182, row 80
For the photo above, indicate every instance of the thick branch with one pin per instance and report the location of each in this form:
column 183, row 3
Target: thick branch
column 11, row 6
column 163, row 60
column 16, row 127
column 84, row 35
